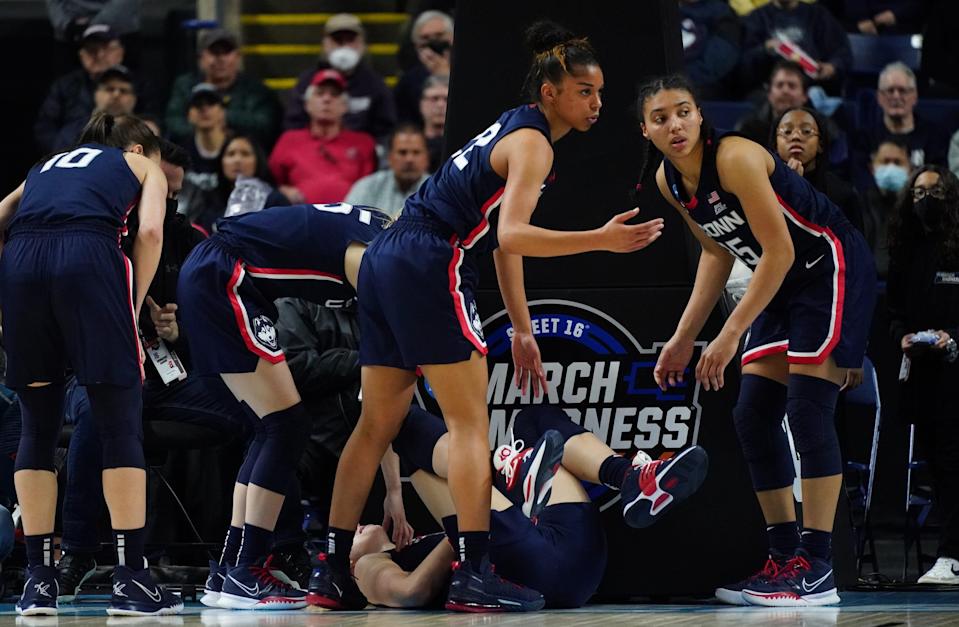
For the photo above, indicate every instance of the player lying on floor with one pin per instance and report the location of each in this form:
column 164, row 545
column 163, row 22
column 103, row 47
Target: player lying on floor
column 562, row 551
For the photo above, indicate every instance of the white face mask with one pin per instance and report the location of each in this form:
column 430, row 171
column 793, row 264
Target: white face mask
column 344, row 58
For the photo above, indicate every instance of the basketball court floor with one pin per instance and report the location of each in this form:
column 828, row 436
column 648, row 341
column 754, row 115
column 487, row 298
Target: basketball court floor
column 858, row 608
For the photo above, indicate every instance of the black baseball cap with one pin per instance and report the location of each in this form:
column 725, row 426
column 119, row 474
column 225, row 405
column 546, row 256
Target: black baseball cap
column 121, row 72
column 218, row 37
column 98, row 34
column 204, row 92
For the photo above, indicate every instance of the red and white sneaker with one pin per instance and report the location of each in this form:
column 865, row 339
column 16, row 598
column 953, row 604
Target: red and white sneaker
column 525, row 474
column 733, row 593
column 651, row 488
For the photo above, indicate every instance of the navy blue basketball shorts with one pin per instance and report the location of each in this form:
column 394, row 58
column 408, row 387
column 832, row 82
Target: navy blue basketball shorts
column 230, row 323
column 67, row 300
column 416, row 299
column 824, row 312
column 562, row 554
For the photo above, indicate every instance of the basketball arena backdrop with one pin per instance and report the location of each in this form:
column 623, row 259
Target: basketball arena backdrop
column 601, row 319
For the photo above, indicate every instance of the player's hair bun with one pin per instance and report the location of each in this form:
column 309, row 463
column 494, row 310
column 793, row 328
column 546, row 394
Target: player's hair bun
column 544, row 35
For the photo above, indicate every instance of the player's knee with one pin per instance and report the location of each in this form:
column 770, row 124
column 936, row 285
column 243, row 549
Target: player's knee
column 286, row 431
column 811, row 409
column 758, row 414
column 117, row 412
column 532, row 422
column 417, row 439
column 757, row 417
column 42, row 414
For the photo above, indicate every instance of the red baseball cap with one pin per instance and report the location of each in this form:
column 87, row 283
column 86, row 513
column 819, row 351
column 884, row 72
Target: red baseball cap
column 329, row 76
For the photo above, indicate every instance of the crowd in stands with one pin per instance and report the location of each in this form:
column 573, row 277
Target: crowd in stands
column 344, row 135
column 338, row 124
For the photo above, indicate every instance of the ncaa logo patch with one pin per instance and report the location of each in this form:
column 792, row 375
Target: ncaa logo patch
column 599, row 374
column 265, row 332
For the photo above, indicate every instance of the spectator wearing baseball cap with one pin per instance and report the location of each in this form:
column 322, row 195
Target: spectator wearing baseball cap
column 251, row 107
column 320, row 163
column 71, row 18
column 70, row 101
column 206, row 114
column 371, row 107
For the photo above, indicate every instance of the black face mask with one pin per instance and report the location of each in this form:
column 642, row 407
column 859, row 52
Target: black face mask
column 171, row 206
column 930, row 212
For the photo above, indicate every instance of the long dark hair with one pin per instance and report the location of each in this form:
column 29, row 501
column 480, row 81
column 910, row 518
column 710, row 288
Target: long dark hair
column 557, row 51
column 119, row 131
column 262, row 171
column 905, row 231
column 651, row 156
column 821, row 161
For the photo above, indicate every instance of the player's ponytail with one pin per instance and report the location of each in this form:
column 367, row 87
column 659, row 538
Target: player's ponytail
column 121, row 131
column 557, row 52
column 651, row 156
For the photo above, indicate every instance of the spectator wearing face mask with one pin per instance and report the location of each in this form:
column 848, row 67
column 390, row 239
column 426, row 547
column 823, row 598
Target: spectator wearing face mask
column 923, row 295
column 897, row 96
column 371, row 109
column 890, row 173
column 432, row 37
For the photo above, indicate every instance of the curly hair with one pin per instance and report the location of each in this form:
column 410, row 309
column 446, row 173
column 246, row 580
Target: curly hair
column 905, row 231
column 558, row 52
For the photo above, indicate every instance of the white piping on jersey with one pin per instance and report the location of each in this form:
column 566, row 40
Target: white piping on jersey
column 835, row 280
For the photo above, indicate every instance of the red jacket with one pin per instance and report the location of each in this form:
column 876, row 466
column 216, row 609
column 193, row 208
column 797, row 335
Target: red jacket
column 322, row 169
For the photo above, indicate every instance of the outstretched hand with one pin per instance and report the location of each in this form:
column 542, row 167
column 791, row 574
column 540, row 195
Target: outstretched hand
column 672, row 362
column 528, row 364
column 394, row 515
column 618, row 237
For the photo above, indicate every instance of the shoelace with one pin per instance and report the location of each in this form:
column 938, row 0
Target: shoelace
column 792, row 568
column 263, row 574
column 648, row 473
column 512, row 461
column 769, row 571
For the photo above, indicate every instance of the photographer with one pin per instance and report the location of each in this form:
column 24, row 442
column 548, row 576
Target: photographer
column 923, row 295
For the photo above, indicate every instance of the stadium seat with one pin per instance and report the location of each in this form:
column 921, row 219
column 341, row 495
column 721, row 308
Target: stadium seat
column 870, row 53
column 725, row 114
column 867, row 395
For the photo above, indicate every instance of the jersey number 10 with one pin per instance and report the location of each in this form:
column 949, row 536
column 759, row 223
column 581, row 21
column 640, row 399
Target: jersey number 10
column 79, row 158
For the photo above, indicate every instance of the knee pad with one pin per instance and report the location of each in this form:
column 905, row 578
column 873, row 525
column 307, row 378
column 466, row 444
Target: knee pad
column 758, row 419
column 42, row 414
column 252, row 452
column 811, row 408
column 286, row 432
column 532, row 422
column 117, row 412
column 417, row 438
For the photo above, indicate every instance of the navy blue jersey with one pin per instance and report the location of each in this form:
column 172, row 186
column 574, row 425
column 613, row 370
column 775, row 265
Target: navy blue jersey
column 91, row 185
column 466, row 190
column 815, row 223
column 281, row 245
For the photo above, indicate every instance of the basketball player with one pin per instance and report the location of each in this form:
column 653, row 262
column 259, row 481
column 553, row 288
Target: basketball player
column 562, row 551
column 67, row 299
column 807, row 312
column 226, row 289
column 417, row 309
